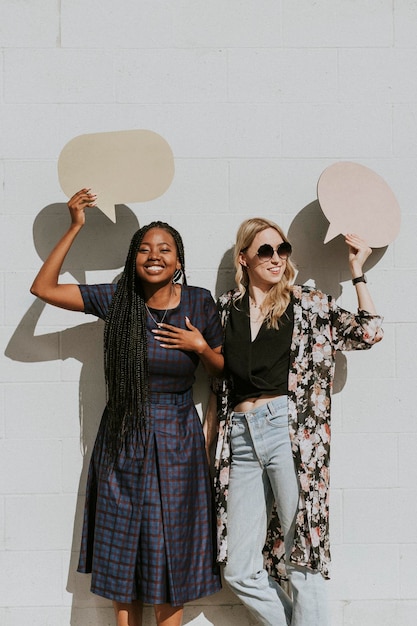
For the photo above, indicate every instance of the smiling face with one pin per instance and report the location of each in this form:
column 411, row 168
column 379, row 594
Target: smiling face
column 263, row 274
column 157, row 257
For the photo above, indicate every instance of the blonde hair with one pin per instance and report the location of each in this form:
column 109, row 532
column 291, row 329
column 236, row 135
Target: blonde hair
column 279, row 296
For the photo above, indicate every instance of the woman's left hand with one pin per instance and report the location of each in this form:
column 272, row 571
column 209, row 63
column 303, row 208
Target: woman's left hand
column 359, row 251
column 172, row 337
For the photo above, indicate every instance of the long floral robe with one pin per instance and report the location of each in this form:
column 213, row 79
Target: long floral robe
column 320, row 328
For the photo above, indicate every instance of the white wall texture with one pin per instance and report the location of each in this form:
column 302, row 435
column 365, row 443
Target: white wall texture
column 256, row 99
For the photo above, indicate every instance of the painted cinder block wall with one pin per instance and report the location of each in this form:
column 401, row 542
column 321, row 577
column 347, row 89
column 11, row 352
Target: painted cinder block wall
column 256, row 99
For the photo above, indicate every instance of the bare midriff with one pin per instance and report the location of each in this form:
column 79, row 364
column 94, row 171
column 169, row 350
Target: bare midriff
column 253, row 403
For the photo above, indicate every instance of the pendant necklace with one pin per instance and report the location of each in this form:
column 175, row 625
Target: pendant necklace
column 158, row 324
column 254, row 308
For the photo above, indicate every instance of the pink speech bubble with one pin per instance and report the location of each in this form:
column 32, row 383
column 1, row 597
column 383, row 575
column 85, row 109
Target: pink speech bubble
column 121, row 167
column 357, row 200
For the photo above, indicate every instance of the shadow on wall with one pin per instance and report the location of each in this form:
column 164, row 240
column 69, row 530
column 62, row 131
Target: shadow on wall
column 101, row 245
column 318, row 264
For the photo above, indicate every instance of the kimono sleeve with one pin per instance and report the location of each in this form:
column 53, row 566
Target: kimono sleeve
column 354, row 331
column 97, row 298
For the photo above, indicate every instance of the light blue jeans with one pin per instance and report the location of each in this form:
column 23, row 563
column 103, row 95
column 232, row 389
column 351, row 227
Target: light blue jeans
column 262, row 471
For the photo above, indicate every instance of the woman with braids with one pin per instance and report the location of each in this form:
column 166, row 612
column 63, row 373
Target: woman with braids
column 147, row 534
column 274, row 434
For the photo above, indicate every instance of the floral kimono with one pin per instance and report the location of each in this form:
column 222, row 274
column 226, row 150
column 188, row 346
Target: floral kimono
column 320, row 328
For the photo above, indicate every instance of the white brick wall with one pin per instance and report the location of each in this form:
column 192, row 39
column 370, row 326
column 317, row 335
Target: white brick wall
column 255, row 100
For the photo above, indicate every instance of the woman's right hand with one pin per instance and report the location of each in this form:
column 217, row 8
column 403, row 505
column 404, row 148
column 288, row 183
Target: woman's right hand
column 46, row 284
column 78, row 203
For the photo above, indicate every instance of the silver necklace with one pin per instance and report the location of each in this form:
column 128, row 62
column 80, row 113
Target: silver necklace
column 158, row 324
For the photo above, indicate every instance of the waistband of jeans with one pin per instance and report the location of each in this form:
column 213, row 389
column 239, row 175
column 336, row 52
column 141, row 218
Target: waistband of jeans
column 163, row 397
column 270, row 407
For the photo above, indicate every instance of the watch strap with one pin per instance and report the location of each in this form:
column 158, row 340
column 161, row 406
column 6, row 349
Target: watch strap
column 359, row 279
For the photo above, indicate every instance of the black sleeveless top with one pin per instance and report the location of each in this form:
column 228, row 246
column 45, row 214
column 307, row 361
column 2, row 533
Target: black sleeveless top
column 258, row 367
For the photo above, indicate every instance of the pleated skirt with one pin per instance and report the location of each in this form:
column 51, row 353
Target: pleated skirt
column 148, row 524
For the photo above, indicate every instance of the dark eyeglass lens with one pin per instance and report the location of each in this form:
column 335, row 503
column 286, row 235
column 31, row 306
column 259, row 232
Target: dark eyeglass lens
column 266, row 251
column 284, row 250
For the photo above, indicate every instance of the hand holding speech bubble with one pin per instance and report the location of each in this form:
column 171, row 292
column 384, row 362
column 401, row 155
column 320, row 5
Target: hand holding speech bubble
column 357, row 200
column 120, row 167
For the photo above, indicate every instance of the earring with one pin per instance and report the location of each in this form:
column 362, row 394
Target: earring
column 178, row 275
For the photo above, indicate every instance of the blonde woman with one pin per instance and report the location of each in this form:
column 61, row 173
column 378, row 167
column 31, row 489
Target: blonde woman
column 272, row 455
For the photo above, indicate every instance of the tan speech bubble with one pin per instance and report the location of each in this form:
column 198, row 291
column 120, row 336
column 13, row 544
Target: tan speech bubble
column 120, row 167
column 357, row 200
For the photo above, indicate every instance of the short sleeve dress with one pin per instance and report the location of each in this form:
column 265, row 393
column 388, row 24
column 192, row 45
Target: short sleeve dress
column 148, row 529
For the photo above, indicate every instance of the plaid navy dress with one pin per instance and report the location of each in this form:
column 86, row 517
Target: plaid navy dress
column 148, row 531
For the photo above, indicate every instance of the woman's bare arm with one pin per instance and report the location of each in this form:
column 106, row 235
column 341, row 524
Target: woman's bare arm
column 359, row 251
column 46, row 284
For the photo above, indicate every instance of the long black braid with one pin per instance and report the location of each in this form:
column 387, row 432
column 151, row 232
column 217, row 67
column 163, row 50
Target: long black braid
column 125, row 351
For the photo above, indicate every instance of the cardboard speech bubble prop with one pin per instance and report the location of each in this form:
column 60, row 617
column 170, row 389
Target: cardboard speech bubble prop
column 120, row 167
column 357, row 200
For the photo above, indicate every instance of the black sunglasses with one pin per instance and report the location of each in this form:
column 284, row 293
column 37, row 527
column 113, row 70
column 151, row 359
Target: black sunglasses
column 266, row 251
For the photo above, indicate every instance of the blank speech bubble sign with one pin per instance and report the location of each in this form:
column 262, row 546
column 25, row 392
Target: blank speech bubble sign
column 120, row 167
column 357, row 200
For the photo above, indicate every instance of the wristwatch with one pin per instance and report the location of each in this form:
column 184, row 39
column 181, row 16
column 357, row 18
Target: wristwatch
column 359, row 279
